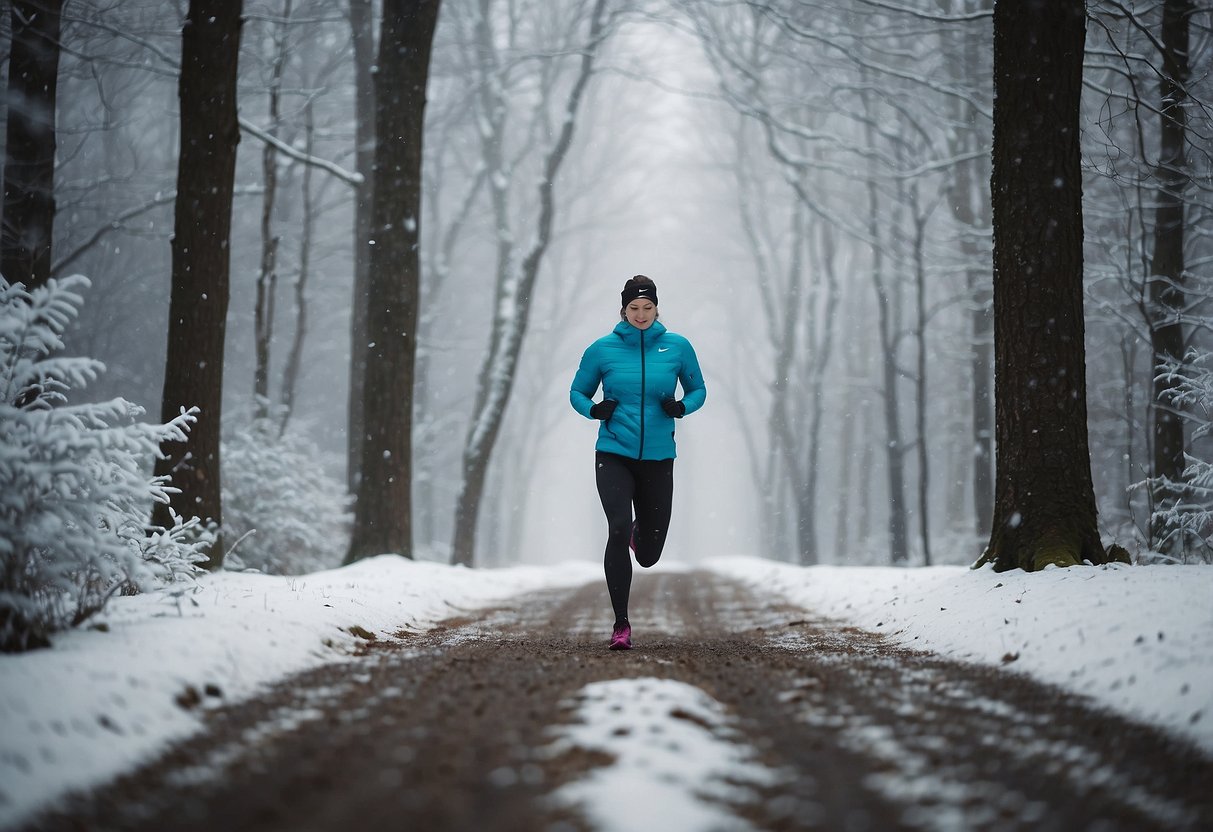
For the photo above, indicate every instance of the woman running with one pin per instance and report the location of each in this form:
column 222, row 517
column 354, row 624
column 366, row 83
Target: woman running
column 637, row 364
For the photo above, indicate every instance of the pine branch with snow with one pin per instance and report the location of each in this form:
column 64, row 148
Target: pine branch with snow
column 75, row 496
column 1187, row 521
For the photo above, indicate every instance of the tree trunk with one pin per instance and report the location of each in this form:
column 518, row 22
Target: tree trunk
column 781, row 308
column 294, row 359
column 784, row 392
column 890, row 375
column 363, row 38
column 822, row 347
column 496, row 375
column 1166, row 282
column 971, row 209
column 785, row 469
column 210, row 49
column 383, row 513
column 894, row 448
column 920, row 379
column 267, row 278
column 1129, row 470
column 867, row 464
column 898, row 544
column 432, row 427
column 981, row 329
column 965, row 202
column 29, row 162
column 850, row 425
column 1044, row 500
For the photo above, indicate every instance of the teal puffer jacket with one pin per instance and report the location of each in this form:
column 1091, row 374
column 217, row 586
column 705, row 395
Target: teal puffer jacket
column 638, row 368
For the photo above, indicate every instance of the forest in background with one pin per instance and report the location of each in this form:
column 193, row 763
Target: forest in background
column 808, row 182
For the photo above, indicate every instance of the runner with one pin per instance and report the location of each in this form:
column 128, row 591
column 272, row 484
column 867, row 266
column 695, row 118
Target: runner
column 637, row 365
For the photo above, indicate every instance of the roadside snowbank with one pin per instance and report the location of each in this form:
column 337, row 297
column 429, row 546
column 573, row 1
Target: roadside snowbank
column 98, row 703
column 1136, row 639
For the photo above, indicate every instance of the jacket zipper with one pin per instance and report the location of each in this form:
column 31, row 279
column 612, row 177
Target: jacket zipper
column 640, row 450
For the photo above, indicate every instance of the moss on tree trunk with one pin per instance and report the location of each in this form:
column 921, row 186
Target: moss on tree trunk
column 1059, row 542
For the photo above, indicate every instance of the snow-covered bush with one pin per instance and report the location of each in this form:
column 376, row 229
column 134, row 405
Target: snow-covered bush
column 288, row 513
column 1187, row 522
column 75, row 495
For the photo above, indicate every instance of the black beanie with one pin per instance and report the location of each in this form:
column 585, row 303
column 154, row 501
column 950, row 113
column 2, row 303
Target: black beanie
column 638, row 287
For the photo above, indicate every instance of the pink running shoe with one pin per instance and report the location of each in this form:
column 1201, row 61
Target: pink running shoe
column 632, row 539
column 621, row 638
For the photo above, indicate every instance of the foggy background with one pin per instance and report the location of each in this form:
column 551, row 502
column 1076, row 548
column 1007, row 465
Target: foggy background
column 883, row 120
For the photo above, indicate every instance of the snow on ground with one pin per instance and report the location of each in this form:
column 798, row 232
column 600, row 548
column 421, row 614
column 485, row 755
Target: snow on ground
column 1136, row 639
column 98, row 703
column 674, row 757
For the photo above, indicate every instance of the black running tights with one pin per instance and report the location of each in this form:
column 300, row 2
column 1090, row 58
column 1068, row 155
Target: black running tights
column 648, row 486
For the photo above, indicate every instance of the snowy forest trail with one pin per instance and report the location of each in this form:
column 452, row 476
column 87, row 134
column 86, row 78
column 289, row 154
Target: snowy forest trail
column 467, row 727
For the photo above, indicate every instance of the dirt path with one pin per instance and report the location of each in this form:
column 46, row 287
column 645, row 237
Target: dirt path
column 454, row 731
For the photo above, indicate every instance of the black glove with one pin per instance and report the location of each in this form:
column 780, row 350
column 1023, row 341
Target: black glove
column 603, row 409
column 674, row 409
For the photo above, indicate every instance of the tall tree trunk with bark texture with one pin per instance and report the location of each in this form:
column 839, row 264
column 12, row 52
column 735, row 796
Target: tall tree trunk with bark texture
column 1044, row 500
column 29, row 162
column 206, row 167
column 383, row 512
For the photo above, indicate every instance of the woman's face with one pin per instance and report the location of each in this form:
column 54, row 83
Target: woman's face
column 641, row 313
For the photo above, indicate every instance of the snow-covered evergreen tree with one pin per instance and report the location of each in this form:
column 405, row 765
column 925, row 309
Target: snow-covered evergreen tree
column 1187, row 522
column 289, row 514
column 75, row 493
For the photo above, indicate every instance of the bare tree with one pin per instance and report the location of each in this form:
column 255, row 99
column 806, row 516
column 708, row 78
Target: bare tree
column 455, row 180
column 888, row 331
column 362, row 30
column 1044, row 499
column 267, row 277
column 118, row 163
column 383, row 513
column 919, row 217
column 294, row 359
column 969, row 199
column 516, row 275
column 1148, row 198
column 1167, row 278
column 861, row 124
column 779, row 238
column 202, row 230
column 29, row 158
